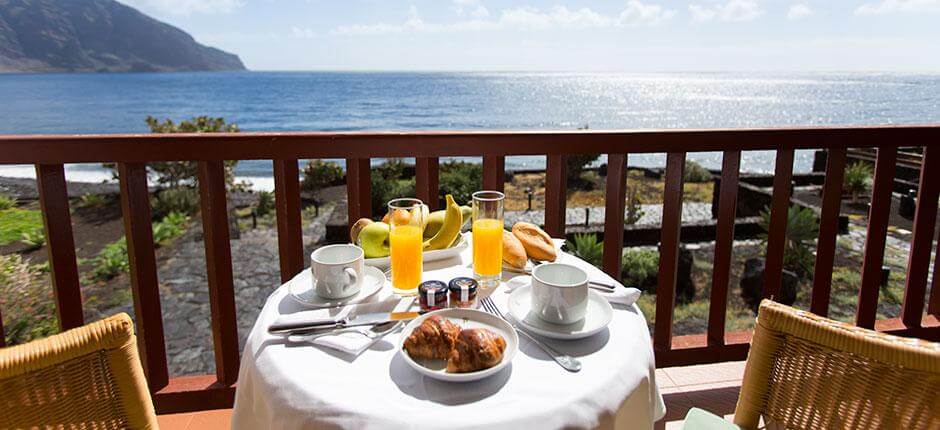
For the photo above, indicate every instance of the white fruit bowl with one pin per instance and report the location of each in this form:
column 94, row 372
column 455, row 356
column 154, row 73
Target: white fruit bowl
column 438, row 254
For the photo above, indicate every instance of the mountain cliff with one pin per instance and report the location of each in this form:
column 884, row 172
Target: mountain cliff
column 97, row 36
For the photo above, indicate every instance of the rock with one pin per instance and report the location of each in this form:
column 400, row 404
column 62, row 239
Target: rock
column 685, row 289
column 908, row 205
column 752, row 284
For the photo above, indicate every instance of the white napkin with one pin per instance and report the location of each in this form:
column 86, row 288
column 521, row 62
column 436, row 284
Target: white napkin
column 350, row 343
column 621, row 295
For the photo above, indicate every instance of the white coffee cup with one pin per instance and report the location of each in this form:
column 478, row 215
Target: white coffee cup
column 559, row 293
column 337, row 270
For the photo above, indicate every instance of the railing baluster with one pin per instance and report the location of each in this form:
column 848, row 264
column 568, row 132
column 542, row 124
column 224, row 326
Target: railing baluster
column 427, row 180
column 776, row 237
column 878, row 215
column 290, row 241
column 669, row 250
column 215, row 229
column 135, row 206
column 556, row 190
column 724, row 244
column 613, row 214
column 358, row 189
column 924, row 219
column 54, row 201
column 828, row 228
column 933, row 307
column 494, row 172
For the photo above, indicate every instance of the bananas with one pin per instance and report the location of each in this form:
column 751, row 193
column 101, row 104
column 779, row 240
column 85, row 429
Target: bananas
column 453, row 220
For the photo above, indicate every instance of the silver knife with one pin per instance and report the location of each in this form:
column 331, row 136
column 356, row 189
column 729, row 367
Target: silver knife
column 353, row 321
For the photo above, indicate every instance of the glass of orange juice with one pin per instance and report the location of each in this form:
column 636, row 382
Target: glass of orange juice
column 406, row 223
column 488, row 237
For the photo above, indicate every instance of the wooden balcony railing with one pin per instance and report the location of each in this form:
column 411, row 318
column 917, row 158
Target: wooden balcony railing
column 131, row 152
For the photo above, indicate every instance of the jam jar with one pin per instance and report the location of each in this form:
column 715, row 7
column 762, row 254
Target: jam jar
column 463, row 292
column 432, row 295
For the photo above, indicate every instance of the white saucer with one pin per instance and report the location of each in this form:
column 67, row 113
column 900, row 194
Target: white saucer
column 300, row 288
column 599, row 313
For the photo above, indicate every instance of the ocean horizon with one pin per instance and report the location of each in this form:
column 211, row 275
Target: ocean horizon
column 400, row 101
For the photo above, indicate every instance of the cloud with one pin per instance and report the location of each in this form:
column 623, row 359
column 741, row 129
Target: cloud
column 799, row 11
column 639, row 14
column 635, row 14
column 730, row 11
column 303, row 33
column 890, row 6
column 186, row 7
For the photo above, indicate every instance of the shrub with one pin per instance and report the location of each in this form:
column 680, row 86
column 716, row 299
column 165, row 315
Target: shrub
column 33, row 239
column 857, row 179
column 460, row 179
column 384, row 190
column 111, row 261
column 392, row 168
column 27, row 301
column 586, row 247
column 171, row 226
column 640, row 268
column 14, row 222
column 6, row 202
column 802, row 230
column 575, row 167
column 176, row 174
column 634, row 206
column 91, row 200
column 319, row 174
column 694, row 172
column 181, row 200
column 265, row 203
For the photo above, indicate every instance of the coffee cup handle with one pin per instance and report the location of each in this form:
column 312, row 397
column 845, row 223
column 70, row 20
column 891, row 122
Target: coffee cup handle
column 352, row 276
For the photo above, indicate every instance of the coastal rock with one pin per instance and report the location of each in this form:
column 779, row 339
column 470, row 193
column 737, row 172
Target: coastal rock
column 752, row 284
column 98, row 36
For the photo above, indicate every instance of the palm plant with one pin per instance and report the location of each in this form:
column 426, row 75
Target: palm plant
column 857, row 180
column 802, row 230
column 586, row 247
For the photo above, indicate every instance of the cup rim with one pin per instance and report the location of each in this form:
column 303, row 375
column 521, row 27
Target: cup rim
column 415, row 203
column 360, row 255
column 559, row 284
column 497, row 196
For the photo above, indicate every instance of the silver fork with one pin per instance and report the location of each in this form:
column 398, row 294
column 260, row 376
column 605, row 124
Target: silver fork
column 568, row 362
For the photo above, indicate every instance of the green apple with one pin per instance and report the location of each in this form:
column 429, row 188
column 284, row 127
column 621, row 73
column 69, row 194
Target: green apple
column 374, row 240
column 435, row 222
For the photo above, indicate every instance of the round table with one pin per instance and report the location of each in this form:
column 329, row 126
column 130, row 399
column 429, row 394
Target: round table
column 292, row 387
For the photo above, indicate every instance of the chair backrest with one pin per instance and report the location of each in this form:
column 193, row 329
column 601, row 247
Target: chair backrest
column 805, row 371
column 88, row 377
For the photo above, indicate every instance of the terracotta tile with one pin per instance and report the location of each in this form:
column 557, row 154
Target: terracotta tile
column 209, row 420
column 174, row 421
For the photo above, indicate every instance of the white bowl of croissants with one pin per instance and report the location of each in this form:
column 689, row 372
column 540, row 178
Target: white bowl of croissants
column 458, row 345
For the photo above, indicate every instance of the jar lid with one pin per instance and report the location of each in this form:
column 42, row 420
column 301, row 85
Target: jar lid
column 434, row 287
column 463, row 283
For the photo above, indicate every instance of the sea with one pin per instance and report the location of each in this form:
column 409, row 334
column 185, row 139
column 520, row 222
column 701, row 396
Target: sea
column 345, row 101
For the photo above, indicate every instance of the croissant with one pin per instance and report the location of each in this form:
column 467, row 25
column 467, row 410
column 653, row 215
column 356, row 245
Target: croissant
column 434, row 338
column 476, row 349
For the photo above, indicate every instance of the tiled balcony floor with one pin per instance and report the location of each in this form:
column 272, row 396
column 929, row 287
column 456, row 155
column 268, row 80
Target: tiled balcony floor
column 713, row 387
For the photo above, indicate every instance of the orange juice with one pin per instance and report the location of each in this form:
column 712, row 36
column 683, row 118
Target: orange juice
column 487, row 247
column 406, row 246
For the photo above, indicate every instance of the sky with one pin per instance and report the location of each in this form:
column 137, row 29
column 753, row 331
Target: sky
column 565, row 35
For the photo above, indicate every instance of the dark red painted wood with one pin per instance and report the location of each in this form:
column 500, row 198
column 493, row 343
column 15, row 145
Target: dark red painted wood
column 54, row 201
column 933, row 307
column 427, row 181
column 193, row 393
column 290, row 240
column 556, row 190
column 215, row 230
column 878, row 215
column 828, row 228
column 925, row 218
column 668, row 251
column 724, row 244
column 494, row 172
column 776, row 237
column 266, row 146
column 613, row 214
column 358, row 189
column 138, row 231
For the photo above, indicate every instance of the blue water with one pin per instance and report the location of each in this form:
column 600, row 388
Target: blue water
column 339, row 101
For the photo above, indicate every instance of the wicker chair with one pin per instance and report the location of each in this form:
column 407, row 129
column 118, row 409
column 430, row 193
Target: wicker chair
column 88, row 377
column 808, row 372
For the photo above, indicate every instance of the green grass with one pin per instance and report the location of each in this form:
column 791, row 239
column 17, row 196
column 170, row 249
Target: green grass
column 15, row 222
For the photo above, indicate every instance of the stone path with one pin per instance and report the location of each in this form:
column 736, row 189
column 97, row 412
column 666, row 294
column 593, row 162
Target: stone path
column 652, row 215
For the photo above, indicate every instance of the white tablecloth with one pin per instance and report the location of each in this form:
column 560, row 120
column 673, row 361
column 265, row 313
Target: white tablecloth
column 294, row 387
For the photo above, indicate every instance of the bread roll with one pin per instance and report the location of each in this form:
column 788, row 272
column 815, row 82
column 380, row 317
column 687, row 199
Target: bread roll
column 513, row 253
column 537, row 243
